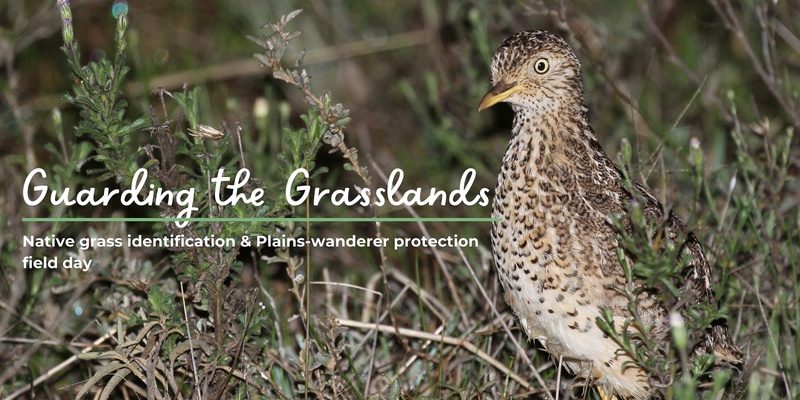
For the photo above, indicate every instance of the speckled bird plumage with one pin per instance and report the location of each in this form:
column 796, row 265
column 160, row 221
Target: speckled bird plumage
column 556, row 244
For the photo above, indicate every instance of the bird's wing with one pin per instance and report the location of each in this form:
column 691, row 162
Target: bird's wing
column 614, row 203
column 696, row 287
column 698, row 280
column 698, row 272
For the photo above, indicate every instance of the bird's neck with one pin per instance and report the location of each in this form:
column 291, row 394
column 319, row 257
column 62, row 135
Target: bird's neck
column 552, row 145
column 547, row 135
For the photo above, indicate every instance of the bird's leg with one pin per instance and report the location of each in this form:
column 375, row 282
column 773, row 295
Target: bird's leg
column 558, row 375
column 588, row 380
column 600, row 390
column 604, row 395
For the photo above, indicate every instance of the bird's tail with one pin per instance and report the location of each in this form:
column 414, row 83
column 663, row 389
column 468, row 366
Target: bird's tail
column 720, row 344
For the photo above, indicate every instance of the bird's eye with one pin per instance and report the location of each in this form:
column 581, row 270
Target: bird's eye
column 541, row 66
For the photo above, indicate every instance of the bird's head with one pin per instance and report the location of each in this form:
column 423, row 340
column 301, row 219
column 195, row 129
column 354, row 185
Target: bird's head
column 534, row 70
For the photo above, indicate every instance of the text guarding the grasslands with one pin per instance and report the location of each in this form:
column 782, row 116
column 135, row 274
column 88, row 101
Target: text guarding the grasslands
column 227, row 193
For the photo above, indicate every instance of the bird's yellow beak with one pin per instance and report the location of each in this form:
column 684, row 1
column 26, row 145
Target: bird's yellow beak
column 499, row 92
